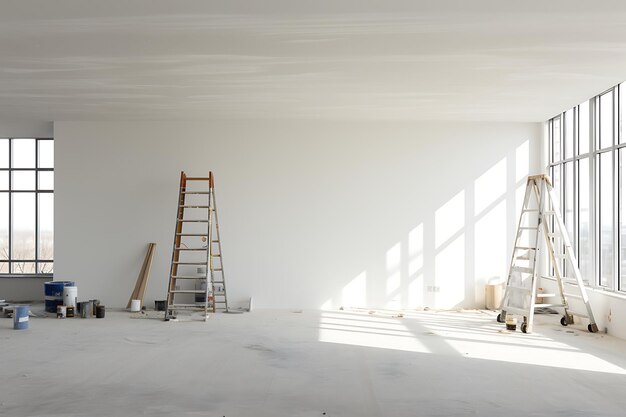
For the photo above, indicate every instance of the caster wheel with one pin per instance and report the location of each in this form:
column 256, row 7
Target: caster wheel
column 524, row 328
column 564, row 321
column 593, row 328
column 500, row 319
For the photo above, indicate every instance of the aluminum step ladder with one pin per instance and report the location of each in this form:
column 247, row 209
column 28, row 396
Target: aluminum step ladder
column 540, row 216
column 197, row 244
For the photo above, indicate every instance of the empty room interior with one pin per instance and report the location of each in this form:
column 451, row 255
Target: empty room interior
column 312, row 208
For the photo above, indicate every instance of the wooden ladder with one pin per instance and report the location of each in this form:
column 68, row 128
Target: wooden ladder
column 196, row 244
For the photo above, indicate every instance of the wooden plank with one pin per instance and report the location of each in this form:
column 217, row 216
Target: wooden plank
column 142, row 274
column 144, row 283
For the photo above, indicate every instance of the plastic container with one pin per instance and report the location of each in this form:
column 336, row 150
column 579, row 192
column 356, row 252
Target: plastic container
column 70, row 296
column 135, row 306
column 53, row 294
column 20, row 317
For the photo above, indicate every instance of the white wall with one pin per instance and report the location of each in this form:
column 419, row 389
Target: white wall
column 312, row 213
column 23, row 289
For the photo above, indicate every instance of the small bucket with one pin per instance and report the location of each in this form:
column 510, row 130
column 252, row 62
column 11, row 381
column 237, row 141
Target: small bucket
column 159, row 305
column 70, row 294
column 70, row 311
column 20, row 317
column 61, row 312
column 100, row 309
column 85, row 309
column 94, row 304
column 135, row 306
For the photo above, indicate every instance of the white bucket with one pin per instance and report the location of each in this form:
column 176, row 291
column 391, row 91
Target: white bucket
column 135, row 306
column 70, row 295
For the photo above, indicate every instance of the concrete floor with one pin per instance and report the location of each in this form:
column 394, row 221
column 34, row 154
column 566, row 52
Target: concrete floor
column 311, row 363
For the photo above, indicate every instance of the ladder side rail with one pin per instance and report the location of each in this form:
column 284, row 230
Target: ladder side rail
column 539, row 194
column 219, row 248
column 571, row 259
column 210, row 272
column 177, row 240
column 505, row 298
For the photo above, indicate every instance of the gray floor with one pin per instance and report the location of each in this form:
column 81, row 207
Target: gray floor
column 283, row 363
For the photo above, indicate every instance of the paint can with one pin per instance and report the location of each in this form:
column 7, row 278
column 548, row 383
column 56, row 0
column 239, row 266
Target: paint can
column 511, row 322
column 159, row 305
column 70, row 311
column 135, row 306
column 53, row 294
column 61, row 312
column 100, row 311
column 94, row 304
column 20, row 317
column 85, row 309
column 70, row 295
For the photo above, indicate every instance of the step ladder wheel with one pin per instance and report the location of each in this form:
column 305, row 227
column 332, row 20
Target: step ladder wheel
column 593, row 328
column 500, row 318
column 564, row 321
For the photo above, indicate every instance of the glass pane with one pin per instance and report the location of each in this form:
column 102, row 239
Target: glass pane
column 4, row 225
column 46, row 180
column 4, row 267
column 4, row 153
column 622, row 112
column 583, row 128
column 23, row 153
column 568, row 197
column 46, row 267
column 568, row 134
column 556, row 139
column 23, row 180
column 46, row 226
column 606, row 120
column 46, row 154
column 556, row 182
column 4, row 180
column 605, row 210
column 584, row 222
column 23, row 216
column 22, row 267
column 622, row 219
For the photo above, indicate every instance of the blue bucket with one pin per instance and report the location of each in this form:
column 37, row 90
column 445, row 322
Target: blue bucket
column 20, row 317
column 53, row 291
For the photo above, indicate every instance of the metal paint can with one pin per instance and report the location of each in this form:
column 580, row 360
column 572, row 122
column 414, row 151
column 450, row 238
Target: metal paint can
column 100, row 310
column 61, row 312
column 70, row 311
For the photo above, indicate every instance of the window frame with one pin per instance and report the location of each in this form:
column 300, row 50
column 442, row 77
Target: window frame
column 37, row 169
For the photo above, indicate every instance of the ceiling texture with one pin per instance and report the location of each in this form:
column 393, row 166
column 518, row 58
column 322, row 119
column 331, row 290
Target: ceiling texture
column 336, row 60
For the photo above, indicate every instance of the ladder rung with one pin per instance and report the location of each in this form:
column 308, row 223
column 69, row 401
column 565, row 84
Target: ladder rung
column 545, row 295
column 197, row 178
column 527, row 228
column 216, row 255
column 188, row 292
column 191, row 234
column 524, row 248
column 192, row 206
column 187, row 307
column 215, row 241
column 181, row 248
column 193, row 221
column 218, row 282
column 530, row 210
column 216, row 269
column 189, row 263
column 188, row 277
column 522, row 269
column 548, row 305
column 195, row 192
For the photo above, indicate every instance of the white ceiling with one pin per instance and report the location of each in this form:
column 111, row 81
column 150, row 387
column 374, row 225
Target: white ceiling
column 391, row 60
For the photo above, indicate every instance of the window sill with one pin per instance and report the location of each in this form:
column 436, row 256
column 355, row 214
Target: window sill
column 26, row 276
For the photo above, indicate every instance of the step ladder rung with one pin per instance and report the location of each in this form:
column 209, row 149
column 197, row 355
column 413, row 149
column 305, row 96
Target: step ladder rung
column 193, row 206
column 528, row 228
column 192, row 234
column 188, row 292
column 195, row 192
column 187, row 307
column 197, row 178
column 189, row 277
column 189, row 263
column 216, row 269
column 545, row 295
column 524, row 248
column 549, row 305
column 192, row 221
column 216, row 255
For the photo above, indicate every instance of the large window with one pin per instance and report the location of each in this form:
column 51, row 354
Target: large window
column 587, row 151
column 26, row 206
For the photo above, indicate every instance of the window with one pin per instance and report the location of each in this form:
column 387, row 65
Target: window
column 587, row 161
column 26, row 206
